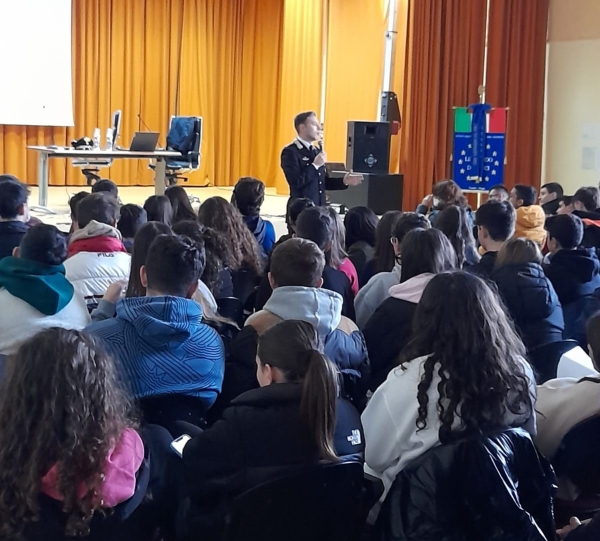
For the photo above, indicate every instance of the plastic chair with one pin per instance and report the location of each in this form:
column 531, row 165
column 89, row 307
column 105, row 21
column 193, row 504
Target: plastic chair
column 231, row 308
column 545, row 359
column 323, row 503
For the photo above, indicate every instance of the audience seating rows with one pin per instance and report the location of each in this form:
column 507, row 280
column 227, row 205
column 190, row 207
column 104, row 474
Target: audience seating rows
column 174, row 374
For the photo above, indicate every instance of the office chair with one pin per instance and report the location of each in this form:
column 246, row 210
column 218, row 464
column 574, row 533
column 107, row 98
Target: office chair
column 185, row 136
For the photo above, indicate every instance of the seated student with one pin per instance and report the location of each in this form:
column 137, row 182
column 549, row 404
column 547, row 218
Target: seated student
column 245, row 259
column 564, row 403
column 293, row 209
column 377, row 290
column 361, row 227
column 97, row 256
column 132, row 218
column 14, row 214
column 425, row 253
column 454, row 222
column 159, row 341
column 384, row 258
column 586, row 202
column 106, row 186
column 292, row 421
column 159, row 209
column 444, row 194
column 73, row 202
column 565, row 205
column 498, row 193
column 530, row 217
column 528, row 294
column 248, row 197
column 573, row 271
column 71, row 458
column 550, row 195
column 315, row 223
column 495, row 223
column 463, row 372
column 180, row 203
column 296, row 269
column 34, row 292
column 339, row 256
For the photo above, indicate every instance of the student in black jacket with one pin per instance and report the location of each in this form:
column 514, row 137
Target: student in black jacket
column 14, row 214
column 316, row 224
column 550, row 195
column 573, row 271
column 495, row 222
column 292, row 421
column 361, row 227
column 425, row 253
column 585, row 201
column 528, row 294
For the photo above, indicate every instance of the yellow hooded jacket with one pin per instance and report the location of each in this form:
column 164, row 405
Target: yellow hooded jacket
column 530, row 224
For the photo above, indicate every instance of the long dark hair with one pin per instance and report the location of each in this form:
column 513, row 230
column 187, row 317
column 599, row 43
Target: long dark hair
column 293, row 347
column 426, row 251
column 361, row 224
column 453, row 221
column 385, row 258
column 180, row 203
column 60, row 405
column 470, row 341
column 215, row 247
column 159, row 209
column 243, row 250
column 141, row 244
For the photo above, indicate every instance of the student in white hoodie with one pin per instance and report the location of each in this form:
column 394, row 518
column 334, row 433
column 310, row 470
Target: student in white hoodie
column 464, row 372
column 425, row 253
column 377, row 289
column 34, row 292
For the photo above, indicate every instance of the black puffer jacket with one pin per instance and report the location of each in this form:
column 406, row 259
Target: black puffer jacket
column 531, row 302
column 260, row 437
column 496, row 488
column 574, row 274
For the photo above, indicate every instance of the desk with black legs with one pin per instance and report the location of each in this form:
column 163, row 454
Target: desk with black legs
column 47, row 153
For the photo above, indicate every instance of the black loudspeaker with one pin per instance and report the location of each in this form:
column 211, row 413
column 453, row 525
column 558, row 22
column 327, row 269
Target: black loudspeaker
column 378, row 192
column 390, row 111
column 368, row 148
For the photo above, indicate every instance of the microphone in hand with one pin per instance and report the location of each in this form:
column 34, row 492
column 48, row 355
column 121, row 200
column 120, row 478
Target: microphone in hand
column 320, row 159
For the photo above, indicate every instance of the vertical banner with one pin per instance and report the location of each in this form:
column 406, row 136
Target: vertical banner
column 479, row 147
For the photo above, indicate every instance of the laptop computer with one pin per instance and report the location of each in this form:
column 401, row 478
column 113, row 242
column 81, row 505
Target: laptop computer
column 144, row 141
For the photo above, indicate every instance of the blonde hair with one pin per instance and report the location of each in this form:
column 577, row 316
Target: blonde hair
column 519, row 251
column 338, row 239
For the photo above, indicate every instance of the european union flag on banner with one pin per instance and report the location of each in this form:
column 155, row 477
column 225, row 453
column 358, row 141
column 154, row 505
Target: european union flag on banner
column 479, row 135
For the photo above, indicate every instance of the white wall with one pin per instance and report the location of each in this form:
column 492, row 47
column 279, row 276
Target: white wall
column 35, row 63
column 572, row 134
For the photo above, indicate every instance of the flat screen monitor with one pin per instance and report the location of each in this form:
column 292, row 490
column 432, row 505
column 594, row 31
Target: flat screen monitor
column 116, row 126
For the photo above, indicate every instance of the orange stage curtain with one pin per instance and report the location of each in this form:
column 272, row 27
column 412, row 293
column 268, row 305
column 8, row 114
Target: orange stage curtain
column 516, row 79
column 300, row 79
column 219, row 60
column 355, row 47
column 444, row 67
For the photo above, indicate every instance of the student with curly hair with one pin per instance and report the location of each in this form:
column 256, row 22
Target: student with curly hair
column 71, row 459
column 464, row 372
column 244, row 257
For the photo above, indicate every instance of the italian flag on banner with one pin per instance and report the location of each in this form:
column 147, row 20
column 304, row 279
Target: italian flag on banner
column 496, row 120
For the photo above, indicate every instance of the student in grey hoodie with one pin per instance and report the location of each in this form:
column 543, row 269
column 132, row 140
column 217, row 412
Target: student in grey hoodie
column 425, row 253
column 377, row 289
column 296, row 277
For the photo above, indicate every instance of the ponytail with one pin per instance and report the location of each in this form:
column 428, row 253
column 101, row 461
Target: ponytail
column 292, row 347
column 318, row 405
